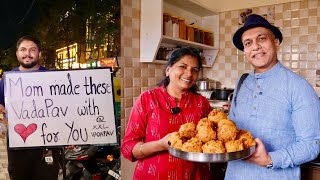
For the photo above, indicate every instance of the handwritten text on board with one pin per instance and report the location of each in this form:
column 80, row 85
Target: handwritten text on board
column 60, row 108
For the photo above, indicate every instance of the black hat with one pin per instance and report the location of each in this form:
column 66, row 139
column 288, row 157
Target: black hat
column 253, row 21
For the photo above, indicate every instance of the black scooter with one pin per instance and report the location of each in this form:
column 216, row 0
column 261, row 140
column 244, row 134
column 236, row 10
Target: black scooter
column 92, row 163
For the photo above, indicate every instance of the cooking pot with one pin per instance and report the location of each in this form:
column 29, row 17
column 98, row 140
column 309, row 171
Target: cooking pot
column 223, row 94
column 205, row 84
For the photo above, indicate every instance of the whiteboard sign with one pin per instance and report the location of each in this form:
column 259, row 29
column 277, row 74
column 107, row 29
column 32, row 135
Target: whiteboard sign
column 55, row 108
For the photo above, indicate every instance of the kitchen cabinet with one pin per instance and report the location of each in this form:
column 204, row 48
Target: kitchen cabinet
column 151, row 35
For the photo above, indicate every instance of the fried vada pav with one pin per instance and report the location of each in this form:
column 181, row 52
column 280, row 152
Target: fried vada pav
column 233, row 146
column 225, row 122
column 227, row 130
column 206, row 133
column 175, row 140
column 208, row 137
column 213, row 146
column 187, row 130
column 246, row 138
column 192, row 145
column 203, row 123
column 216, row 115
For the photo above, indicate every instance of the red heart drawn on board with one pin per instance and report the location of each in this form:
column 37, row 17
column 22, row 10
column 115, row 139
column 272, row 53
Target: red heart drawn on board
column 24, row 131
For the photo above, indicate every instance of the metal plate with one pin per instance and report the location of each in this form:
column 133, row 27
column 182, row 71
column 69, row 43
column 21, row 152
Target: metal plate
column 211, row 157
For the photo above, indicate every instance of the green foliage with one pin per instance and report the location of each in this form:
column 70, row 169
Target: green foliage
column 8, row 59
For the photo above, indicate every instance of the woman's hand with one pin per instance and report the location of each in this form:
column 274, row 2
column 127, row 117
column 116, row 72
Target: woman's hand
column 142, row 150
column 165, row 141
column 260, row 156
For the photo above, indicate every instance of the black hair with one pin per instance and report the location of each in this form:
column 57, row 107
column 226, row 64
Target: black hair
column 175, row 56
column 29, row 38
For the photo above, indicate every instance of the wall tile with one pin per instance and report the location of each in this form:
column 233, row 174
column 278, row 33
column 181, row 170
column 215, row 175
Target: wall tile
column 295, row 14
column 137, row 82
column 295, row 57
column 313, row 21
column 295, row 31
column 303, row 56
column 312, row 47
column 295, row 48
column 303, row 30
column 303, row 13
column 313, row 4
column 287, row 23
column 303, row 48
column 312, row 56
column 294, row 65
column 312, row 12
column 304, row 5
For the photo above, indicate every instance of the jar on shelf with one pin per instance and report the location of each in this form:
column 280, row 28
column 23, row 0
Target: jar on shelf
column 175, row 26
column 182, row 28
column 167, row 24
column 201, row 33
column 196, row 34
column 210, row 40
column 190, row 33
column 208, row 37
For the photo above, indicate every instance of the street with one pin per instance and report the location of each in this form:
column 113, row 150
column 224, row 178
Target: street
column 3, row 160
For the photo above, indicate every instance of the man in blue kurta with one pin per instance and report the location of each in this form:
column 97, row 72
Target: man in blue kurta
column 279, row 108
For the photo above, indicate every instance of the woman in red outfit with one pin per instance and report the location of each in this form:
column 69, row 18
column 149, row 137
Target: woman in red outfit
column 159, row 112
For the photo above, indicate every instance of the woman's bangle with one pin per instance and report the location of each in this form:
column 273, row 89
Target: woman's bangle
column 140, row 150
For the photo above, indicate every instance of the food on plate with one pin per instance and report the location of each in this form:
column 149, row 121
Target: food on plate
column 176, row 140
column 234, row 145
column 187, row 130
column 214, row 134
column 204, row 122
column 214, row 146
column 192, row 145
column 227, row 130
column 206, row 133
column 246, row 138
column 216, row 115
column 225, row 121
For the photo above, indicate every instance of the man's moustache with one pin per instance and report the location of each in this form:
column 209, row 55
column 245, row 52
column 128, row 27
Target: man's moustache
column 30, row 57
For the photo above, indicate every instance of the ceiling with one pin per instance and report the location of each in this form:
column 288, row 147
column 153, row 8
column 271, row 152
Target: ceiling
column 227, row 5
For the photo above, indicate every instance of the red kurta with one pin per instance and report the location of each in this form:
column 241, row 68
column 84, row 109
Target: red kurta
column 151, row 120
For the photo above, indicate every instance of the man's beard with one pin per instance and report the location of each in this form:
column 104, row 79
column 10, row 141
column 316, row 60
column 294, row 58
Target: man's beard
column 29, row 65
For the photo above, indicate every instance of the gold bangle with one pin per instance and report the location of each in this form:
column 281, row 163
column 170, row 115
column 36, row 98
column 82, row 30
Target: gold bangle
column 140, row 150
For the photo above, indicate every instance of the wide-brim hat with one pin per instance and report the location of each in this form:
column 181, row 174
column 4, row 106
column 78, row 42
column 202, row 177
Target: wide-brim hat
column 253, row 21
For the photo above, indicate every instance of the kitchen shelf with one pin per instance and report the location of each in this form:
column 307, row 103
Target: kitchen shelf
column 151, row 38
column 182, row 42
